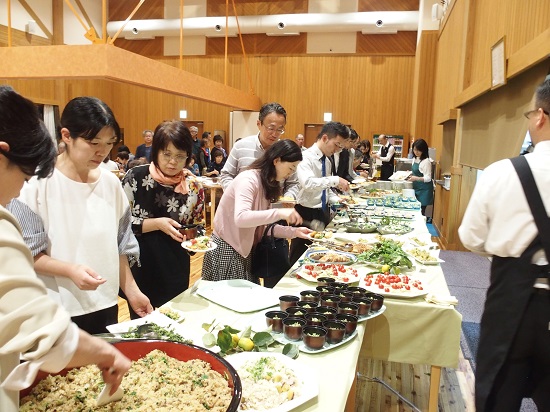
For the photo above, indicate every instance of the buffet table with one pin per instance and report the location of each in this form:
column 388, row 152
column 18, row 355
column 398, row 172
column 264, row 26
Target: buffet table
column 409, row 331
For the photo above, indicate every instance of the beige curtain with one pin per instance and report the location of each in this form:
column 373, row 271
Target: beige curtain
column 493, row 125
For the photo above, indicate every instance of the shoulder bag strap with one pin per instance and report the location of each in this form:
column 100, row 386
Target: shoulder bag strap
column 534, row 200
column 269, row 228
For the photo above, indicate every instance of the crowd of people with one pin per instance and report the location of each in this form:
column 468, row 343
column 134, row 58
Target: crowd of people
column 74, row 238
column 92, row 238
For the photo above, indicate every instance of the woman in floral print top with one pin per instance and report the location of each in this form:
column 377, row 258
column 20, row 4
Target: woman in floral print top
column 163, row 198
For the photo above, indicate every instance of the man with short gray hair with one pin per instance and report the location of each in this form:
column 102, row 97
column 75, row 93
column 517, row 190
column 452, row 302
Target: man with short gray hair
column 196, row 141
column 143, row 151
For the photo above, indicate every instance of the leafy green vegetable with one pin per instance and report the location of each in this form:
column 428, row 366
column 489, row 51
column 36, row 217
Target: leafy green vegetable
column 386, row 252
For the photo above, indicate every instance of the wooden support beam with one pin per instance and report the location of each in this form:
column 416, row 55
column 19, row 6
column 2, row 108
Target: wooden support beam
column 104, row 61
column 85, row 15
column 57, row 19
column 35, row 17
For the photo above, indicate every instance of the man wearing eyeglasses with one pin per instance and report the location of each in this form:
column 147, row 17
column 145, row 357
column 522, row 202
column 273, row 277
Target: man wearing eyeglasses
column 271, row 124
column 507, row 218
column 316, row 181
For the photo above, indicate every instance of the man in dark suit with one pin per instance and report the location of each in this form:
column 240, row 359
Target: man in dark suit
column 343, row 161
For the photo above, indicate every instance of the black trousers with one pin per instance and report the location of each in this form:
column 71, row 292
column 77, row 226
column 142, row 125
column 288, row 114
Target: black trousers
column 386, row 171
column 526, row 371
column 298, row 246
column 97, row 322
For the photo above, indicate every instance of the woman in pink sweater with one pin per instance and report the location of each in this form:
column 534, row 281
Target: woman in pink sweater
column 244, row 211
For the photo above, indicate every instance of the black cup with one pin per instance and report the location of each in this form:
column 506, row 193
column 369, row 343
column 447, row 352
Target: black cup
column 293, row 328
column 275, row 319
column 286, row 301
column 314, row 337
column 335, row 331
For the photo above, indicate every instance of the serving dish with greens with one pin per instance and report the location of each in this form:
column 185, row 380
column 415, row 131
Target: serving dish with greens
column 386, row 252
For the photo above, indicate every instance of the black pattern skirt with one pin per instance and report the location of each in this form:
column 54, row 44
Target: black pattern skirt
column 225, row 263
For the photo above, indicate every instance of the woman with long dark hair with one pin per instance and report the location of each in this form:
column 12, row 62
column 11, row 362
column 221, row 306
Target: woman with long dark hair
column 422, row 174
column 244, row 211
column 163, row 198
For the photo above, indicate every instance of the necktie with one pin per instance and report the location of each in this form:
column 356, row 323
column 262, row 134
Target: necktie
column 324, row 193
column 333, row 165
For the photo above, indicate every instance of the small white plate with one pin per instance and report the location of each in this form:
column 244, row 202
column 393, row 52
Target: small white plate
column 309, row 387
column 359, row 180
column 188, row 245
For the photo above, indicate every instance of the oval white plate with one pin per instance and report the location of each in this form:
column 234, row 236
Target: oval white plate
column 187, row 245
column 352, row 258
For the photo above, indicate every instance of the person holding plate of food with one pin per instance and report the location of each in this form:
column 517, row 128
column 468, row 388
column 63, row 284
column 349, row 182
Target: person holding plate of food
column 164, row 199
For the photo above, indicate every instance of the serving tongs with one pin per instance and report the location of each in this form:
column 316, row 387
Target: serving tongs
column 144, row 331
column 332, row 245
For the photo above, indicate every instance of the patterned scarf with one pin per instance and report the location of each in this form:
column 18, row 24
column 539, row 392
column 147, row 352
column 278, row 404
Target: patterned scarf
column 178, row 181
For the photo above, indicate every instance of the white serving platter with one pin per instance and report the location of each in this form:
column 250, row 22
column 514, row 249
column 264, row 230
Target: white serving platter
column 309, row 387
column 239, row 295
column 400, row 293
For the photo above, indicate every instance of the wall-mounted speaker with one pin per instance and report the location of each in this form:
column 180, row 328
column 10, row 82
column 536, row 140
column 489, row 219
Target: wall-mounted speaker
column 437, row 12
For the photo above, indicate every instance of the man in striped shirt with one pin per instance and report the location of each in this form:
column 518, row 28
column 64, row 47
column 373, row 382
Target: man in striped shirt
column 271, row 124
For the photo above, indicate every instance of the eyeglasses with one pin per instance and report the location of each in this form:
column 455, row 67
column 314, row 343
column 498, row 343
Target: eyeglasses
column 272, row 129
column 528, row 113
column 167, row 156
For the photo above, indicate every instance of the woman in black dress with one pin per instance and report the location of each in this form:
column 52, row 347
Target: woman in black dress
column 162, row 199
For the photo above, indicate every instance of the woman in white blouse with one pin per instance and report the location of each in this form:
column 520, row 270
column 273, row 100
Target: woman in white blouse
column 34, row 328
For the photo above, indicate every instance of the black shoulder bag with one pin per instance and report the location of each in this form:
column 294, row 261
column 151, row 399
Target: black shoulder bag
column 270, row 258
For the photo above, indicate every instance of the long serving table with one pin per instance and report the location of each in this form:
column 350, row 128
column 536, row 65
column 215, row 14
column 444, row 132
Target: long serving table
column 409, row 331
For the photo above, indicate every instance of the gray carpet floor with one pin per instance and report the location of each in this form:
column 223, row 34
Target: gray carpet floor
column 467, row 276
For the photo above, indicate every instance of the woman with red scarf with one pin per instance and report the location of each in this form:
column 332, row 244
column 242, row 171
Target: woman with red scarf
column 163, row 198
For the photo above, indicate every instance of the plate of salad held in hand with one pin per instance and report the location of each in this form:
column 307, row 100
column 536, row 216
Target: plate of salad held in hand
column 199, row 244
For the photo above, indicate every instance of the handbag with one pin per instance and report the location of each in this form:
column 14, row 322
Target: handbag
column 270, row 258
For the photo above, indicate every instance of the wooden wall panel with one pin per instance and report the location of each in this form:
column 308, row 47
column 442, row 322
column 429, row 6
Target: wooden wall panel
column 401, row 43
column 39, row 91
column 257, row 8
column 423, row 91
column 388, row 5
column 370, row 93
column 119, row 10
column 520, row 22
column 255, row 44
column 449, row 66
column 20, row 38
